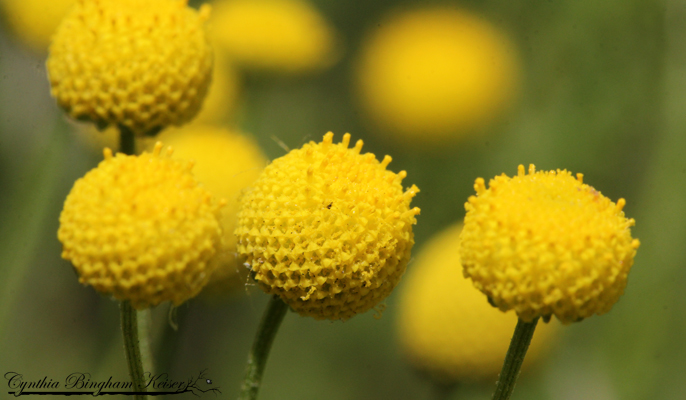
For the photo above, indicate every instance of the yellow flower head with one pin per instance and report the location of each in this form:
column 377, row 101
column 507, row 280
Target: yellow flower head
column 436, row 74
column 545, row 243
column 34, row 21
column 141, row 228
column 280, row 35
column 225, row 163
column 446, row 327
column 143, row 65
column 328, row 229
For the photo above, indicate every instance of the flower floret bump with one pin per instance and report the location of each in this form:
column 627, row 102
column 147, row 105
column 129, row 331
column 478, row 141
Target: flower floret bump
column 143, row 65
column 141, row 228
column 328, row 229
column 545, row 243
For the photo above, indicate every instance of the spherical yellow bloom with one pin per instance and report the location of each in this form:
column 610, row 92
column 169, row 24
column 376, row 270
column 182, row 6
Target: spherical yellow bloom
column 446, row 326
column 281, row 35
column 141, row 65
column 34, row 21
column 141, row 228
column 225, row 163
column 328, row 229
column 546, row 244
column 436, row 74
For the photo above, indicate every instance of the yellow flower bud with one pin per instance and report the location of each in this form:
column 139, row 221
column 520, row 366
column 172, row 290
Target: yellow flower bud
column 328, row 229
column 544, row 244
column 447, row 328
column 225, row 163
column 279, row 35
column 143, row 65
column 141, row 228
column 434, row 75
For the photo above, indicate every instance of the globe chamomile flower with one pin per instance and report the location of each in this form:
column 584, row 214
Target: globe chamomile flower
column 226, row 163
column 327, row 229
column 277, row 35
column 445, row 326
column 139, row 65
column 141, row 228
column 35, row 21
column 545, row 243
column 435, row 75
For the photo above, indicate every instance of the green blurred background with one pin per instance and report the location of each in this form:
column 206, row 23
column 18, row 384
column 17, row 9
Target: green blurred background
column 604, row 93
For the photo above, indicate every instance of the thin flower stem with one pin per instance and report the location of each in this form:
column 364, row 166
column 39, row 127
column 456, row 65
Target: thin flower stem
column 129, row 327
column 144, row 321
column 127, row 141
column 257, row 359
column 519, row 344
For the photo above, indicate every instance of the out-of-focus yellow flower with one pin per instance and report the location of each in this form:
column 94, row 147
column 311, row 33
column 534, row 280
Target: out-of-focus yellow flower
column 141, row 228
column 328, row 229
column 279, row 35
column 436, row 74
column 446, row 326
column 140, row 65
column 223, row 95
column 225, row 163
column 546, row 244
column 35, row 21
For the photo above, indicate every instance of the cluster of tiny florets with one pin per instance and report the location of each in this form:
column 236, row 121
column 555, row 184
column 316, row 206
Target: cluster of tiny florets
column 545, row 243
column 141, row 65
column 141, row 228
column 328, row 229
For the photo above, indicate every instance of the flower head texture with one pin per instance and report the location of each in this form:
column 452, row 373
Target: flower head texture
column 289, row 36
column 446, row 327
column 545, row 243
column 143, row 65
column 328, row 229
column 225, row 163
column 435, row 75
column 35, row 21
column 141, row 228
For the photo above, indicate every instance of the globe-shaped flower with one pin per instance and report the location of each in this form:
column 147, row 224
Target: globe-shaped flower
column 327, row 229
column 446, row 327
column 35, row 21
column 141, row 228
column 225, row 163
column 278, row 35
column 545, row 243
column 142, row 65
column 434, row 75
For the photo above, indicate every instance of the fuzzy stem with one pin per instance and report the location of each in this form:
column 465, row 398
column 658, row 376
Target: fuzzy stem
column 129, row 327
column 257, row 359
column 514, row 359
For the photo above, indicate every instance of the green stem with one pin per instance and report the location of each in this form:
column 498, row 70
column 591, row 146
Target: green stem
column 144, row 322
column 127, row 141
column 129, row 327
column 257, row 359
column 514, row 359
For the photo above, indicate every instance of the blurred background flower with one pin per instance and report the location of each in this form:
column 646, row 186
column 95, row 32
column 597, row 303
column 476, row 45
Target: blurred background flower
column 599, row 88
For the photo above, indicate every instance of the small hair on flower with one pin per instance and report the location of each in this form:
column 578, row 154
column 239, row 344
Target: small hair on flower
column 328, row 229
column 141, row 228
column 545, row 243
